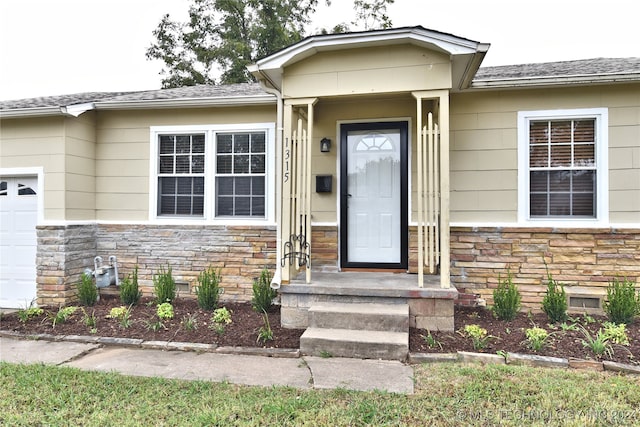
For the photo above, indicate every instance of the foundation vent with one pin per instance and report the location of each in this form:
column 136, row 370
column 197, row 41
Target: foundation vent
column 585, row 300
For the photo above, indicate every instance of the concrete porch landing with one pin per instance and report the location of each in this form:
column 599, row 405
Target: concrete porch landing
column 430, row 307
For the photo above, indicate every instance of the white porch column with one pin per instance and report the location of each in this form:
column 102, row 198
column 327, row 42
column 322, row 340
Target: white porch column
column 286, row 202
column 445, row 197
column 296, row 187
column 442, row 99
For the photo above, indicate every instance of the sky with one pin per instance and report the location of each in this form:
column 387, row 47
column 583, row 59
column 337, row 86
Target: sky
column 54, row 47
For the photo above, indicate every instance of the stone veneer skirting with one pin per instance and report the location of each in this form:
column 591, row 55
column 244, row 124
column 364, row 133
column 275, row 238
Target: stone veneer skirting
column 479, row 256
column 575, row 257
column 63, row 253
column 240, row 252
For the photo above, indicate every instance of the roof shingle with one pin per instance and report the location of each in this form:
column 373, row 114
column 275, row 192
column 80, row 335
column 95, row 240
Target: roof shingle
column 582, row 67
column 187, row 92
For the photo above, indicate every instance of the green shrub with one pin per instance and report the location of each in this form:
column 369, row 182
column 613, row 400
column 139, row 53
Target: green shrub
column 89, row 320
column 554, row 302
column 122, row 314
column 129, row 292
column 26, row 314
column 265, row 333
column 164, row 286
column 506, row 299
column 622, row 303
column 208, row 289
column 220, row 318
column 598, row 344
column 616, row 332
column 165, row 310
column 478, row 336
column 87, row 291
column 263, row 294
column 536, row 338
column 62, row 315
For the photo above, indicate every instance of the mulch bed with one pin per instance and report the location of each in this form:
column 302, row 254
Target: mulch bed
column 243, row 330
column 246, row 323
column 510, row 336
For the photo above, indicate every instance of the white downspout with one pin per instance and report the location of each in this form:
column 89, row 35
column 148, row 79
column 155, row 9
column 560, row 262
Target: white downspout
column 277, row 276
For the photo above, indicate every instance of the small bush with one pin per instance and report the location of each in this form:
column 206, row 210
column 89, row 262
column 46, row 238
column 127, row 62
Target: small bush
column 87, row 291
column 536, row 338
column 616, row 332
column 622, row 303
column 28, row 313
column 117, row 312
column 165, row 311
column 265, row 333
column 129, row 292
column 62, row 315
column 122, row 314
column 554, row 303
column 263, row 295
column 190, row 322
column 90, row 320
column 208, row 289
column 221, row 317
column 478, row 336
column 164, row 286
column 598, row 344
column 506, row 299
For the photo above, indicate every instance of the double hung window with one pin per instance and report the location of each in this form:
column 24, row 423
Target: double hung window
column 181, row 174
column 562, row 157
column 215, row 173
column 240, row 174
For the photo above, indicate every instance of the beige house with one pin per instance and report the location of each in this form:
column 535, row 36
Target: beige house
column 362, row 166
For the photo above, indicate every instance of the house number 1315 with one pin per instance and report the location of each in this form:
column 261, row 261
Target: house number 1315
column 287, row 155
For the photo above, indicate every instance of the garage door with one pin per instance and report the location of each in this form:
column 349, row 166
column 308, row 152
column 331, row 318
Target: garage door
column 18, row 218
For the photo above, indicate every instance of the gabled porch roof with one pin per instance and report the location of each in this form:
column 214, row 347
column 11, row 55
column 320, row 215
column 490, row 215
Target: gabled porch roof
column 466, row 55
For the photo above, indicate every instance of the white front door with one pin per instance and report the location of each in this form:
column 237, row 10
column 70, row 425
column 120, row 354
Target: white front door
column 374, row 195
column 18, row 219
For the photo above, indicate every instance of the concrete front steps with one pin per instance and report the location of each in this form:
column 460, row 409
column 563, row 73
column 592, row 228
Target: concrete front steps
column 357, row 330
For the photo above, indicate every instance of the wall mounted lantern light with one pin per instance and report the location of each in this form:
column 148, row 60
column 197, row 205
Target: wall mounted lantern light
column 325, row 145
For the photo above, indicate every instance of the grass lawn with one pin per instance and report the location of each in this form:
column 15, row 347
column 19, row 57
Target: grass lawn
column 446, row 394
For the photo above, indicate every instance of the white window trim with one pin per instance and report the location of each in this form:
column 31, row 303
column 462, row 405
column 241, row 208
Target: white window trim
column 210, row 132
column 601, row 116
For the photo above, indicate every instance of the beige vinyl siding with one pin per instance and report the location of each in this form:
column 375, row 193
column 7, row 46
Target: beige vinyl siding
column 366, row 71
column 624, row 157
column 329, row 113
column 80, row 167
column 38, row 142
column 122, row 165
column 484, row 148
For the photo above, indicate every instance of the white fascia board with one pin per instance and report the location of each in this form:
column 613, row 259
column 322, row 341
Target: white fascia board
column 555, row 81
column 444, row 42
column 32, row 112
column 187, row 102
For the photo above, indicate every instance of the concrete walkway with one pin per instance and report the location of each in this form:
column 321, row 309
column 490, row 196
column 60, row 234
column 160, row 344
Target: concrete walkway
column 302, row 372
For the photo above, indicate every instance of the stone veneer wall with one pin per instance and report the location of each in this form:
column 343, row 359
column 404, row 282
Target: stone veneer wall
column 240, row 252
column 575, row 257
column 324, row 247
column 63, row 253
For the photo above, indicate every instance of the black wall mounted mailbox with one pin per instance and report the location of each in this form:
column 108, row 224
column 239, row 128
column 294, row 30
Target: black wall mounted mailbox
column 324, row 183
